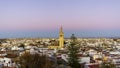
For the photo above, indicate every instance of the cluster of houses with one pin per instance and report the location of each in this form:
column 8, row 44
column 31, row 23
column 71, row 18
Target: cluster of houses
column 92, row 52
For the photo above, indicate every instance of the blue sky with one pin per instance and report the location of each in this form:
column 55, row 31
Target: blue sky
column 83, row 17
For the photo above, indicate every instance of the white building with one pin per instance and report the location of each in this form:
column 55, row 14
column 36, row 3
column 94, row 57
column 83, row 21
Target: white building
column 6, row 61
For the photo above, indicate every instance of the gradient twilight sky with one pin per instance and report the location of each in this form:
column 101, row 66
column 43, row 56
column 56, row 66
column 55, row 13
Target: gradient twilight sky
column 101, row 16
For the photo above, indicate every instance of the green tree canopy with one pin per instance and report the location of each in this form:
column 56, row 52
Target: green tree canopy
column 73, row 50
column 107, row 65
column 28, row 60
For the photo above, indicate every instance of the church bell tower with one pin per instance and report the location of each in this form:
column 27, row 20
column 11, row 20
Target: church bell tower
column 61, row 38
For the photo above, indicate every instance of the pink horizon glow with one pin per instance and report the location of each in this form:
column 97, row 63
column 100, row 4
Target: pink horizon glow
column 50, row 15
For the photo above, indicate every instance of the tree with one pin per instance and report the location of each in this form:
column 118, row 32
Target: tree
column 107, row 65
column 28, row 60
column 73, row 50
column 21, row 45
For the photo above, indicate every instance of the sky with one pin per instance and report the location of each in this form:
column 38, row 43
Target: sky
column 43, row 18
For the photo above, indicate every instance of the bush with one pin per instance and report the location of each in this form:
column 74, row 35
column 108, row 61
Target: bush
column 28, row 60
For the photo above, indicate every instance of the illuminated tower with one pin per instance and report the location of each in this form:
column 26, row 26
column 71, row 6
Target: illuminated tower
column 61, row 38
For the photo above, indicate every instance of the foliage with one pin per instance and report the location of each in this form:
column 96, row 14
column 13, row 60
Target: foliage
column 73, row 50
column 28, row 60
column 107, row 65
column 22, row 45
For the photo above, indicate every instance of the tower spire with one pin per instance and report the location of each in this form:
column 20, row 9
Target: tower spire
column 61, row 38
column 61, row 29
